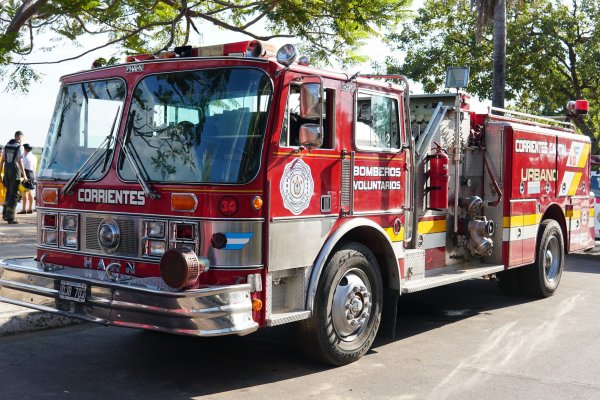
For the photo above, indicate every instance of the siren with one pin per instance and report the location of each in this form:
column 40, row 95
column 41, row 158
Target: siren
column 577, row 107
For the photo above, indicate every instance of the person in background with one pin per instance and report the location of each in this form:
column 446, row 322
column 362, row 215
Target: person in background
column 12, row 161
column 29, row 163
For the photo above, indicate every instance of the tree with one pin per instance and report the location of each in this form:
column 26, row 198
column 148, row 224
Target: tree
column 329, row 28
column 553, row 53
column 496, row 11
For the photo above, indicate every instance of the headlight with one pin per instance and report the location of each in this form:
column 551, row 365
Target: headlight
column 155, row 229
column 70, row 239
column 49, row 237
column 156, row 247
column 69, row 222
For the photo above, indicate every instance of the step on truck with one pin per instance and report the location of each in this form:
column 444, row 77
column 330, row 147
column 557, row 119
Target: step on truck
column 217, row 190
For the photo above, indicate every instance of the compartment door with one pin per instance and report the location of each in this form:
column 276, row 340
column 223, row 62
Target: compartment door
column 578, row 224
column 520, row 231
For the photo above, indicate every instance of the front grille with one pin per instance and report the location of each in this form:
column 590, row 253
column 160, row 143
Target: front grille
column 127, row 244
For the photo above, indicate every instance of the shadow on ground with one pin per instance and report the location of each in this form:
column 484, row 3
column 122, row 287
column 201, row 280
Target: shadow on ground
column 90, row 362
column 580, row 262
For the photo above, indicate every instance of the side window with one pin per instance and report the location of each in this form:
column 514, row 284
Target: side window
column 377, row 122
column 290, row 129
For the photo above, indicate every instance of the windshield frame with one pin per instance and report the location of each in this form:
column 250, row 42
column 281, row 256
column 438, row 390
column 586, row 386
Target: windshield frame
column 125, row 135
column 116, row 134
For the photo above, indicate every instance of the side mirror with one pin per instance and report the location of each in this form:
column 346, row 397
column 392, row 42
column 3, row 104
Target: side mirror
column 310, row 100
column 311, row 136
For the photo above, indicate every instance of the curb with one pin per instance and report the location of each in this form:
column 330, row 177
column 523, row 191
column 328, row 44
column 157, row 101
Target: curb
column 24, row 320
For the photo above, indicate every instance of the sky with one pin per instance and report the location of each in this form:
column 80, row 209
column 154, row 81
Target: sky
column 31, row 112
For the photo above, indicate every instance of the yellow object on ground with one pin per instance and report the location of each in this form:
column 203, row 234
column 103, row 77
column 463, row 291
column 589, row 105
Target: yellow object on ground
column 2, row 192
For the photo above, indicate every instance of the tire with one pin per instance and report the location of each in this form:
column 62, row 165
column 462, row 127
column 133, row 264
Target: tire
column 541, row 279
column 347, row 308
column 509, row 282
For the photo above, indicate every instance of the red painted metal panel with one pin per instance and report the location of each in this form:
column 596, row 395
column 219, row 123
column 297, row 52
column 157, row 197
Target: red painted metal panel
column 580, row 236
column 435, row 258
column 529, row 248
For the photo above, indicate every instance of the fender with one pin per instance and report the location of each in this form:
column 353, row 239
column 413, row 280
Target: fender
column 556, row 212
column 392, row 252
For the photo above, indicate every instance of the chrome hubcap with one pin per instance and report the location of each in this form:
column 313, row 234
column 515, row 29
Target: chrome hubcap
column 551, row 259
column 351, row 307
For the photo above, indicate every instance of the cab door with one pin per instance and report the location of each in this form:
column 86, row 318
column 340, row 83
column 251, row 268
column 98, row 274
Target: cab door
column 378, row 163
column 304, row 183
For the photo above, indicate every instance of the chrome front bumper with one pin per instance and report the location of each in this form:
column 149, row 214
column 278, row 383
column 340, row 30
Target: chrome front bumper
column 144, row 303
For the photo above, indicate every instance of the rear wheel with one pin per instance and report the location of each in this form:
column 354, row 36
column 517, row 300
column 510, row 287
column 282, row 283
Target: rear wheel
column 347, row 308
column 541, row 278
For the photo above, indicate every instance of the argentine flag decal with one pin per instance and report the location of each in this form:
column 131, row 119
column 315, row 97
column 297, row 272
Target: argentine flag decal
column 237, row 240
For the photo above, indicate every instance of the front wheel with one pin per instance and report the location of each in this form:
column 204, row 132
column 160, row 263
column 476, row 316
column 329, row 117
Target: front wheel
column 541, row 278
column 347, row 307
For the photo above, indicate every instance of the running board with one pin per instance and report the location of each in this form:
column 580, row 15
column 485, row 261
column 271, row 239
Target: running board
column 286, row 316
column 450, row 274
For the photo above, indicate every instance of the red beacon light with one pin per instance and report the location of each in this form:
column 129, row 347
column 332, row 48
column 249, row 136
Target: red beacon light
column 577, row 107
column 246, row 48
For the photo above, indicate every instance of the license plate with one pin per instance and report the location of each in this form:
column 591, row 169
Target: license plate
column 74, row 291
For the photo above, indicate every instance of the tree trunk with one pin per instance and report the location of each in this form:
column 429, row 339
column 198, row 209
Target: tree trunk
column 26, row 10
column 587, row 131
column 499, row 56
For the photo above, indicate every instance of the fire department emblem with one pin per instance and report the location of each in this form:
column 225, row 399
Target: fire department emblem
column 296, row 186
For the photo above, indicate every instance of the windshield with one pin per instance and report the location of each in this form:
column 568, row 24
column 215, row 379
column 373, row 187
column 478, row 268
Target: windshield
column 85, row 115
column 201, row 126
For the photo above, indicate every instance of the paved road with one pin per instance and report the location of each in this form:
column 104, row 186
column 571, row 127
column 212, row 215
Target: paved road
column 18, row 240
column 465, row 341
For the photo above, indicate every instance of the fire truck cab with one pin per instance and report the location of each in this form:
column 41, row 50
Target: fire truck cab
column 212, row 191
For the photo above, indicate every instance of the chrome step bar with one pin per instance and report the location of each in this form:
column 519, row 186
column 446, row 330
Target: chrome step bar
column 450, row 274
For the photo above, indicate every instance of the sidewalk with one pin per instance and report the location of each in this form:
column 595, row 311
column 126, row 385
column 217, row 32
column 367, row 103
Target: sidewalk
column 19, row 241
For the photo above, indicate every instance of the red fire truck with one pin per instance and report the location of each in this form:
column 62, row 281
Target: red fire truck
column 216, row 190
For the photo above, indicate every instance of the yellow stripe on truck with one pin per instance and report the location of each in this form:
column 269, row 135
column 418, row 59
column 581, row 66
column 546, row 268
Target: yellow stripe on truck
column 584, row 156
column 393, row 237
column 574, row 184
column 435, row 226
column 576, row 214
column 521, row 220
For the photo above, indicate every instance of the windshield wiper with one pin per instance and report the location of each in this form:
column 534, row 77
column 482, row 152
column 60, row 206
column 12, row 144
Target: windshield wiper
column 69, row 185
column 106, row 154
column 125, row 147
